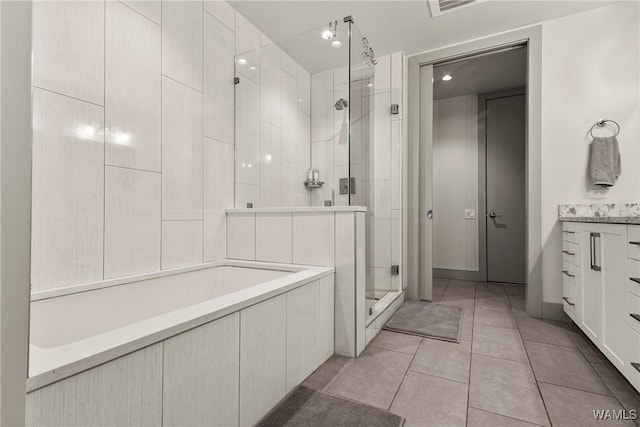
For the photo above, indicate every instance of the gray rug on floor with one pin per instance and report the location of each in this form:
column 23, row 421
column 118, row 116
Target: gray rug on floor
column 425, row 319
column 308, row 408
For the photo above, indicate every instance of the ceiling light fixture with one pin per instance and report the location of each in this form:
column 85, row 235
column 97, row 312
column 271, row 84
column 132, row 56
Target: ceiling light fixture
column 447, row 77
column 331, row 32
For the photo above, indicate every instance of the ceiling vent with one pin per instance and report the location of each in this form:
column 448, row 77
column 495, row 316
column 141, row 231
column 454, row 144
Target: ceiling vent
column 440, row 7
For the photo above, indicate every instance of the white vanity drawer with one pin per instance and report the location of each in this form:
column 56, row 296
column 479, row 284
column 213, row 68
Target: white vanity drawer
column 570, row 232
column 569, row 300
column 633, row 270
column 633, row 308
column 571, row 274
column 633, row 248
column 633, row 357
column 571, row 252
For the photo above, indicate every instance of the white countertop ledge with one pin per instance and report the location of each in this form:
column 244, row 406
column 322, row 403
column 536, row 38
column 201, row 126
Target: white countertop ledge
column 298, row 209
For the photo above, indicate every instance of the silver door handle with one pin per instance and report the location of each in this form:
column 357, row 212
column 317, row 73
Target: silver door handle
column 430, row 214
column 494, row 215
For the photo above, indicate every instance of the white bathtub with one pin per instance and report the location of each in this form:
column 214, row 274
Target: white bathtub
column 80, row 327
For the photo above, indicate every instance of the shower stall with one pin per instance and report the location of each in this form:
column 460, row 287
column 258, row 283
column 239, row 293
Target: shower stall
column 313, row 128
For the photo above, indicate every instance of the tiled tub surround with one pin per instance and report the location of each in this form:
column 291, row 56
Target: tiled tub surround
column 215, row 345
column 134, row 134
column 614, row 213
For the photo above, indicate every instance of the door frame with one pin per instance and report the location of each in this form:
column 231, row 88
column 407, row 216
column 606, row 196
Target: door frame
column 532, row 36
column 483, row 266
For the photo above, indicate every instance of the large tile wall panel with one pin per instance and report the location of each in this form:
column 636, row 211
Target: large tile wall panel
column 396, row 247
column 263, row 330
column 182, row 41
column 304, row 152
column 304, row 91
column 322, row 106
column 181, row 243
column 241, row 236
column 125, row 392
column 288, row 65
column 381, row 156
column 396, row 82
column 270, row 165
column 326, row 319
column 181, row 152
column 289, row 117
column 247, row 133
column 201, row 369
column 345, row 277
column 132, row 222
column 218, row 196
column 302, row 330
column 288, row 183
column 68, row 48
column 270, row 102
column 396, row 164
column 274, row 237
column 219, row 53
column 313, row 238
column 151, row 9
column 247, row 193
column 247, row 35
column 223, row 12
column 68, row 191
column 132, row 89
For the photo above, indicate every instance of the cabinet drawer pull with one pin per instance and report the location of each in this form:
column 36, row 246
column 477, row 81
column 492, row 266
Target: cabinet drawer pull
column 568, row 232
column 633, row 279
column 636, row 365
column 572, row 275
column 635, row 243
column 635, row 316
column 568, row 302
column 569, row 253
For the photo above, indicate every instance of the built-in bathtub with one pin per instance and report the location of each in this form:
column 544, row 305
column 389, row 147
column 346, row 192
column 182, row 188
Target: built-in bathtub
column 267, row 325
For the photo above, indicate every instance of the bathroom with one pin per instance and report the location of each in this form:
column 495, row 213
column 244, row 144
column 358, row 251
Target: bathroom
column 231, row 213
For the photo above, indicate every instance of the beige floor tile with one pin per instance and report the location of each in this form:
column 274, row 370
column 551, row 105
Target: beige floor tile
column 507, row 388
column 373, row 378
column 544, row 331
column 494, row 304
column 426, row 401
column 491, row 317
column 499, row 342
column 443, row 359
column 489, row 290
column 574, row 408
column 397, row 342
column 480, row 418
column 564, row 366
column 619, row 386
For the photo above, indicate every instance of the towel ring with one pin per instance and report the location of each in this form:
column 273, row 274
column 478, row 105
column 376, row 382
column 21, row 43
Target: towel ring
column 601, row 123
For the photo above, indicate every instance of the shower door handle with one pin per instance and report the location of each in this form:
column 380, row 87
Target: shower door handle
column 430, row 214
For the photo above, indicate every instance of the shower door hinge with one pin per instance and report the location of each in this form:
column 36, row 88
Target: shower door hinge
column 348, row 19
column 395, row 109
column 236, row 80
column 395, row 270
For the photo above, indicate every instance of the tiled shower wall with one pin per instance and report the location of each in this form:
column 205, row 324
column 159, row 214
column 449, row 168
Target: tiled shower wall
column 133, row 150
column 272, row 122
column 376, row 158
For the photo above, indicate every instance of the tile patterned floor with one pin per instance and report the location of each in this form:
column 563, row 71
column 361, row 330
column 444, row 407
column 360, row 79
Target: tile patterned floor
column 508, row 370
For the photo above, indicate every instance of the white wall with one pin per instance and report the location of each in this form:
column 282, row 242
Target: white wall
column 590, row 69
column 272, row 123
column 133, row 137
column 455, row 182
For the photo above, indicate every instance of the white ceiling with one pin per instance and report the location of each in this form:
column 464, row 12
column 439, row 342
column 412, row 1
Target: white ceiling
column 398, row 25
column 489, row 73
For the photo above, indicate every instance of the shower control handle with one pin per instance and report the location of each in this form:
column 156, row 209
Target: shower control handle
column 493, row 215
column 430, row 214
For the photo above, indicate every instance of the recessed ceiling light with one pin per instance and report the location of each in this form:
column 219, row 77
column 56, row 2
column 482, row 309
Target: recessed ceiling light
column 327, row 34
column 447, row 77
column 336, row 44
column 242, row 61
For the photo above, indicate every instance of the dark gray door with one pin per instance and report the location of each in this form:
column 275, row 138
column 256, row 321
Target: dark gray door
column 506, row 189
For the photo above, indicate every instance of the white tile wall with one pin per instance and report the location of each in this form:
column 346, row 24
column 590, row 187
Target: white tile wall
column 313, row 238
column 68, row 191
column 223, row 12
column 132, row 89
column 218, row 196
column 289, row 117
column 247, row 193
column 247, row 35
column 274, row 237
column 304, row 91
column 181, row 152
column 219, row 53
column 68, row 48
column 149, row 8
column 181, row 243
column 247, row 133
column 132, row 222
column 270, row 84
column 241, row 236
column 182, row 42
column 322, row 105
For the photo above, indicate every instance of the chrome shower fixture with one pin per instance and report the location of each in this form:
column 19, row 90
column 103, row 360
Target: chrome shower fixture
column 341, row 104
column 331, row 32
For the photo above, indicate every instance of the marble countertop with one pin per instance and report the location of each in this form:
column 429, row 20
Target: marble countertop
column 607, row 213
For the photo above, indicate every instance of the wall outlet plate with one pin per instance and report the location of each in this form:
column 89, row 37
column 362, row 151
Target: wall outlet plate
column 469, row 214
column 598, row 194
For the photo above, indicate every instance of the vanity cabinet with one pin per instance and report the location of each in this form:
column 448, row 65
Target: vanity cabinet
column 595, row 288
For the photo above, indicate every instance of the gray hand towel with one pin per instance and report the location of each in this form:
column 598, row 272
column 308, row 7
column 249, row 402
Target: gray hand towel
column 605, row 165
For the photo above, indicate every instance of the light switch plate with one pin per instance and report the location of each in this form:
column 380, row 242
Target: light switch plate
column 598, row 194
column 469, row 214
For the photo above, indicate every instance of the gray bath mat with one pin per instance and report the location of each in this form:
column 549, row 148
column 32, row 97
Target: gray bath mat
column 308, row 408
column 424, row 319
